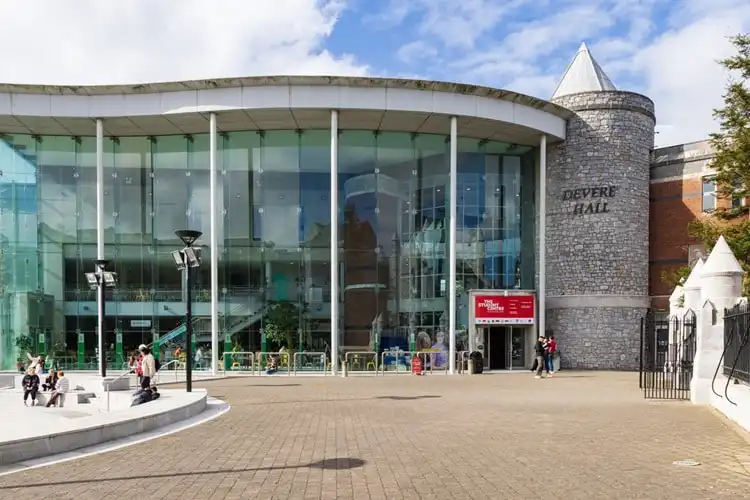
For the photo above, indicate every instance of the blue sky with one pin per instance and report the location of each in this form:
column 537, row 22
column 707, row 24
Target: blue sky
column 666, row 49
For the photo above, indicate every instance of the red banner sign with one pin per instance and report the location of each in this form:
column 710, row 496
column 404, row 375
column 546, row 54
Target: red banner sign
column 504, row 310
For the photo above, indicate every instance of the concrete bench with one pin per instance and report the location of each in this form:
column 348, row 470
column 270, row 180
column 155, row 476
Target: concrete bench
column 75, row 398
column 116, row 384
column 8, row 381
column 71, row 398
column 83, row 397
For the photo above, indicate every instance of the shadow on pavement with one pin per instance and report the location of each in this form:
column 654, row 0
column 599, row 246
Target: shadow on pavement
column 407, row 398
column 216, row 386
column 326, row 464
column 341, row 400
column 273, row 385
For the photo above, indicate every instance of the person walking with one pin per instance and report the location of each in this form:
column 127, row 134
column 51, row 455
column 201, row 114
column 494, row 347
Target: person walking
column 539, row 349
column 551, row 354
column 148, row 366
column 30, row 385
column 199, row 359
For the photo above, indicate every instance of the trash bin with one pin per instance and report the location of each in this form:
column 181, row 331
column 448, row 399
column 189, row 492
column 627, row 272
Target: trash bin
column 477, row 362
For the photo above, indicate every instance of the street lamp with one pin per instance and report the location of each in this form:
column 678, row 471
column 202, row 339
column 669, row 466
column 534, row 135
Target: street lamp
column 99, row 280
column 186, row 259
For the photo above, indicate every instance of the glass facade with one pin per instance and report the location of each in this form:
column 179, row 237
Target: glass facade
column 274, row 252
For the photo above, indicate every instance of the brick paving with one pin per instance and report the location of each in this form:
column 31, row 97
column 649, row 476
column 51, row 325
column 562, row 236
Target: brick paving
column 506, row 436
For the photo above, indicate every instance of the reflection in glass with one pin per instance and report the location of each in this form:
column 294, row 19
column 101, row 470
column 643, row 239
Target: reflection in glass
column 394, row 226
column 274, row 239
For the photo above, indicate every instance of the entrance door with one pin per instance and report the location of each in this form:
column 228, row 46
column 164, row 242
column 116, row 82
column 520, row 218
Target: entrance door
column 518, row 347
column 498, row 347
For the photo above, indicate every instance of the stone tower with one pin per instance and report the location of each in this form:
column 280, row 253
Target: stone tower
column 598, row 220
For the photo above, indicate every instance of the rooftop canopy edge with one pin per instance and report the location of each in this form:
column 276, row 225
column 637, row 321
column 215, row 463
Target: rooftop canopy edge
column 298, row 104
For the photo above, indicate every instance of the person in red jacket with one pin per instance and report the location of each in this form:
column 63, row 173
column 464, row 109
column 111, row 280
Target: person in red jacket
column 552, row 354
column 136, row 365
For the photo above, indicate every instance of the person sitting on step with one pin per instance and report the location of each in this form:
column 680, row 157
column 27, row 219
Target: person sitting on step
column 50, row 381
column 30, row 385
column 58, row 395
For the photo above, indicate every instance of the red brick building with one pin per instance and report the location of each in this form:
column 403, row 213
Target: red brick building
column 682, row 189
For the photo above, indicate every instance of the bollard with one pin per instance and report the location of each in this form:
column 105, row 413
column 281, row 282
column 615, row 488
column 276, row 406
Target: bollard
column 343, row 370
column 470, row 367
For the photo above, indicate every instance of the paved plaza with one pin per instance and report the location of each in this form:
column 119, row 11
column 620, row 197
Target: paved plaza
column 578, row 435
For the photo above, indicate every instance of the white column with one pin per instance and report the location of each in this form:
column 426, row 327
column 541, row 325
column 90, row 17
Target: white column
column 542, row 292
column 101, row 312
column 452, row 247
column 334, row 241
column 99, row 189
column 214, row 242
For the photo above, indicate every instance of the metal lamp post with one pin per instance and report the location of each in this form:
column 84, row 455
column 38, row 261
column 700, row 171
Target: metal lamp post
column 186, row 259
column 99, row 280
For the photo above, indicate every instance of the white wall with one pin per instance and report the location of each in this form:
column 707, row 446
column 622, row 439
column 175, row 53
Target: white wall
column 718, row 283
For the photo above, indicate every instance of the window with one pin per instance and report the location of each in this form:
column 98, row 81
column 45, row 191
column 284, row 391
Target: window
column 738, row 200
column 709, row 194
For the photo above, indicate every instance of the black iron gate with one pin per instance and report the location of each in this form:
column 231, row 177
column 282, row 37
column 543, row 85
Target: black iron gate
column 667, row 353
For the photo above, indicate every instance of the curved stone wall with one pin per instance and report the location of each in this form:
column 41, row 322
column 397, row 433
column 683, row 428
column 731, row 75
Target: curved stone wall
column 598, row 229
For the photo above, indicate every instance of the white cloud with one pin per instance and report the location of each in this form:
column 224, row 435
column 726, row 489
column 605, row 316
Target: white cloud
column 106, row 42
column 414, row 51
column 522, row 45
column 664, row 49
column 682, row 76
column 521, row 60
column 455, row 24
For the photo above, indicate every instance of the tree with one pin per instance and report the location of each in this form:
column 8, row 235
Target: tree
column 24, row 346
column 674, row 277
column 281, row 322
column 732, row 143
column 731, row 163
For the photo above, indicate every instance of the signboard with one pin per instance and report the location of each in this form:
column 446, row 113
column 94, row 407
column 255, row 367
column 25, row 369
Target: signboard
column 589, row 199
column 140, row 323
column 504, row 310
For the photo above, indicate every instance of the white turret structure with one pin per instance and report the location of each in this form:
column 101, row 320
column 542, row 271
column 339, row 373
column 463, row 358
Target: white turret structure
column 720, row 287
column 692, row 288
column 677, row 312
column 721, row 276
column 677, row 301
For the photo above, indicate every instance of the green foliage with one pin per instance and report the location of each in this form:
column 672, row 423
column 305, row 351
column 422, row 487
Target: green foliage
column 675, row 277
column 737, row 234
column 24, row 344
column 732, row 143
column 732, row 161
column 281, row 322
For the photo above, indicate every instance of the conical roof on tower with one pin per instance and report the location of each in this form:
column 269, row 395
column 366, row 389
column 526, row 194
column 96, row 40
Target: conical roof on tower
column 721, row 261
column 693, row 281
column 583, row 75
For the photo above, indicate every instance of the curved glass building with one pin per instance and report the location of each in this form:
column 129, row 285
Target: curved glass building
column 355, row 213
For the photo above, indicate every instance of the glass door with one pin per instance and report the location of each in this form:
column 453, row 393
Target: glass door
column 509, row 347
column 518, row 347
column 484, row 348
